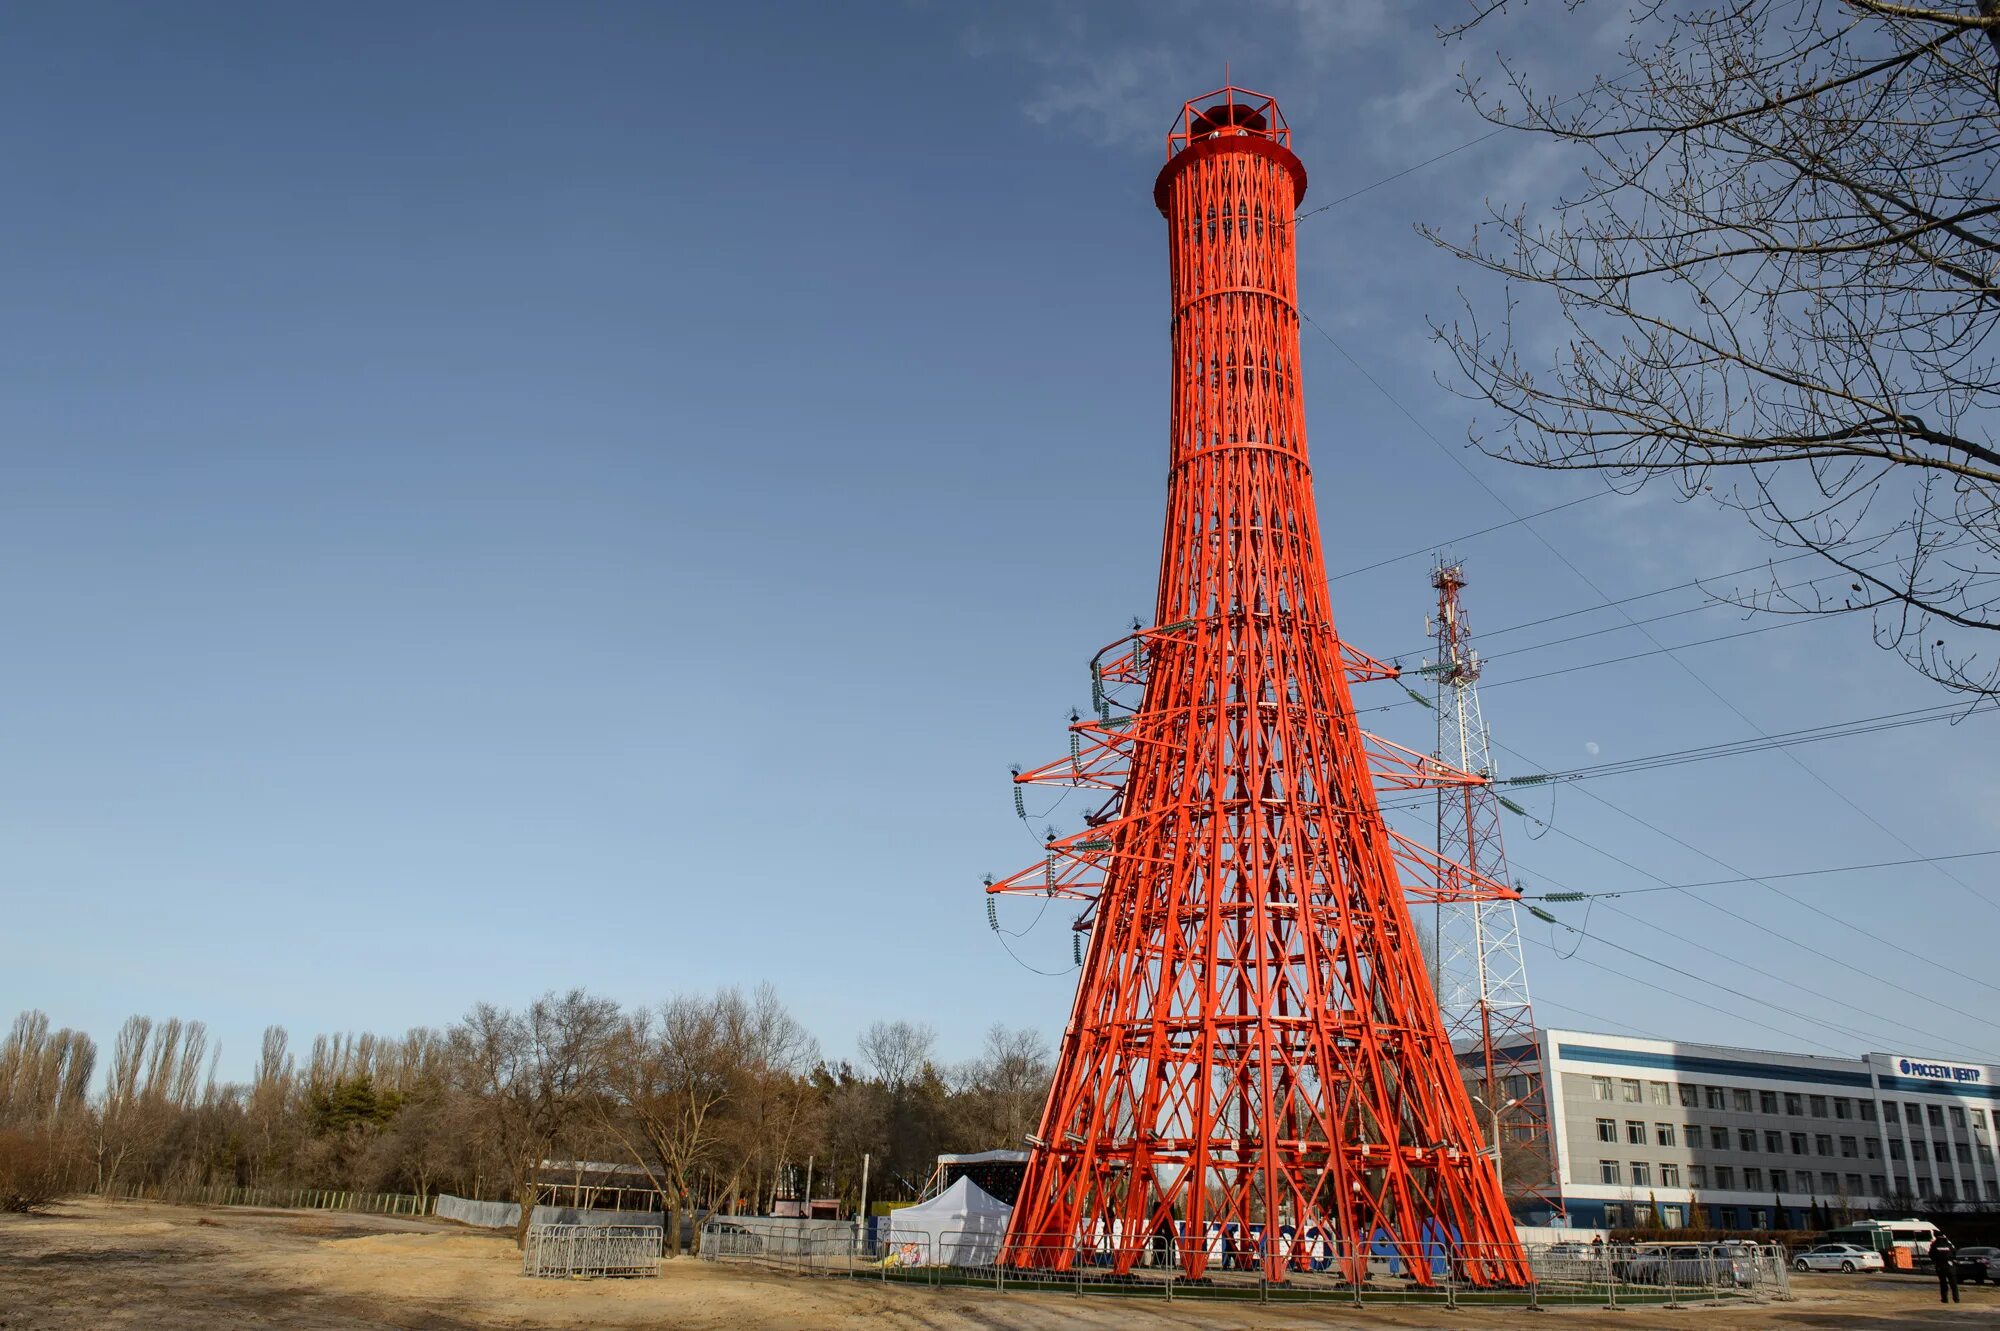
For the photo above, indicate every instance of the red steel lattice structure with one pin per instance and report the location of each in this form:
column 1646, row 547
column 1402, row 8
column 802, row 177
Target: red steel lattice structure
column 1255, row 1054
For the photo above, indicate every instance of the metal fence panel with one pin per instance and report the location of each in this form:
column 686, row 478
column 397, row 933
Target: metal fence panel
column 589, row 1251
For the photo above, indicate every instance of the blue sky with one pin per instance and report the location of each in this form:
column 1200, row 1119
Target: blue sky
column 509, row 496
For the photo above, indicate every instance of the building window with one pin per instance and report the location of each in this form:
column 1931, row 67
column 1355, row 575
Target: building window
column 1628, row 1090
column 1871, row 1148
column 1693, row 1138
column 1670, row 1217
column 1913, row 1113
column 1848, row 1148
column 1725, row 1217
column 1798, row 1143
column 1753, row 1180
column 1889, row 1111
column 1725, row 1177
column 1920, row 1150
column 1718, row 1139
column 1741, row 1099
column 1958, row 1118
column 1690, row 1095
column 1829, row 1182
column 1600, row 1087
column 1964, row 1152
column 1992, row 1191
column 1841, row 1107
column 1767, row 1101
column 1760, row 1219
column 1642, row 1175
column 1517, row 1087
column 1635, row 1133
column 1614, row 1215
column 1607, row 1129
column 1663, row 1134
column 1823, row 1143
column 1608, row 1171
column 1818, row 1103
column 1895, row 1148
column 1867, row 1108
column 1658, row 1093
column 1979, row 1119
column 1877, row 1185
column 1774, row 1143
column 1986, row 1152
column 1642, row 1214
column 1778, row 1182
column 1670, row 1176
column 1746, row 1141
column 1697, row 1177
column 1948, row 1189
column 1792, row 1106
column 1717, row 1098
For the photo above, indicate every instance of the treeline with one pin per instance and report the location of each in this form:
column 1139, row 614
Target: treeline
column 719, row 1098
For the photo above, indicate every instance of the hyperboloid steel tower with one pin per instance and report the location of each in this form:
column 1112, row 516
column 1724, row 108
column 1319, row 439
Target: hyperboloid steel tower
column 1255, row 1069
column 1480, row 972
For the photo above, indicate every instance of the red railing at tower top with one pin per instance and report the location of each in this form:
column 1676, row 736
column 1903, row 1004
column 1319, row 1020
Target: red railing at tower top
column 1229, row 110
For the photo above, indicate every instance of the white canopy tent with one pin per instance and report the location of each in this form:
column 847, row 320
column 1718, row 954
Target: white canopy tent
column 961, row 1226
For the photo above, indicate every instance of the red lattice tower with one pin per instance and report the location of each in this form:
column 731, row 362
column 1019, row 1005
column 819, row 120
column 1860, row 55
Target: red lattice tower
column 1255, row 1061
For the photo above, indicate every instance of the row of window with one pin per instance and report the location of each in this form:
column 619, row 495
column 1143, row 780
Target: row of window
column 1631, row 1091
column 1746, row 1142
column 1642, row 1174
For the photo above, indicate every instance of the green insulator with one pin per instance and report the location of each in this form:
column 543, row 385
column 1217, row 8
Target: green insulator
column 1096, row 685
column 1535, row 779
column 992, row 914
column 1049, row 875
column 1512, row 807
column 1093, row 845
column 1416, row 697
column 1543, row 915
column 1076, row 753
column 1020, row 804
column 1562, row 896
column 1076, row 947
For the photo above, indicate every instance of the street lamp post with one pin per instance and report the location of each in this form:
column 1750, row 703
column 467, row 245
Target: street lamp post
column 1494, row 1115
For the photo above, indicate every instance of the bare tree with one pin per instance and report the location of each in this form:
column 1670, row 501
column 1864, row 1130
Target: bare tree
column 1007, row 1084
column 535, row 1072
column 155, row 1076
column 1774, row 289
column 897, row 1051
column 673, row 1074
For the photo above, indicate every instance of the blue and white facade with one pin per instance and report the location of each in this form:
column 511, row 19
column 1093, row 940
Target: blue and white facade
column 1647, row 1130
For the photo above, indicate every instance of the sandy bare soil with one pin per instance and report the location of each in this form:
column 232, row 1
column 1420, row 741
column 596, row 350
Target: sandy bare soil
column 161, row 1268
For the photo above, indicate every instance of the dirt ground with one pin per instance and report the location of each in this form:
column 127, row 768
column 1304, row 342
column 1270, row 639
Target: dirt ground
column 164, row 1268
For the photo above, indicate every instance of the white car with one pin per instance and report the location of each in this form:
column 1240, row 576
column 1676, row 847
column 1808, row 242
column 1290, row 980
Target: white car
column 1837, row 1257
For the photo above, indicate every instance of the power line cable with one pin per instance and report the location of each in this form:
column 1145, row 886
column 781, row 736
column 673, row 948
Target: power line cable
column 1819, row 909
column 1483, row 531
column 1731, row 1013
column 1670, row 652
column 1898, row 1037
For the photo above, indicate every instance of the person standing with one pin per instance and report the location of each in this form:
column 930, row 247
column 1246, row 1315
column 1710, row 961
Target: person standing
column 1944, row 1259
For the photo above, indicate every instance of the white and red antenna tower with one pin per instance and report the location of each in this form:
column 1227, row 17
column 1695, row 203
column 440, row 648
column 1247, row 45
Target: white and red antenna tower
column 1477, row 967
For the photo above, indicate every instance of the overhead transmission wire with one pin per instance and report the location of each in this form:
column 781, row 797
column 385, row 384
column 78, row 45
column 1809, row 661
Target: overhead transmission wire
column 1731, row 1013
column 1670, row 652
column 1898, row 1036
column 1592, row 898
column 1820, row 908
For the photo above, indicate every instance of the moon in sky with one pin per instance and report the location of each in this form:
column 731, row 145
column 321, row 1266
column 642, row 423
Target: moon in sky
column 1590, row 747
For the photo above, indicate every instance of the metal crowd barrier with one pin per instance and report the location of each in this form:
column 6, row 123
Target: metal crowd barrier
column 564, row 1251
column 1224, row 1265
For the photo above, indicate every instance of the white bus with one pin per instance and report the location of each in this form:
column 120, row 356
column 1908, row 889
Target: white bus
column 1882, row 1235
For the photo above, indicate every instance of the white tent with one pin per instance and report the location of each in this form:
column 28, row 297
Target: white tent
column 961, row 1226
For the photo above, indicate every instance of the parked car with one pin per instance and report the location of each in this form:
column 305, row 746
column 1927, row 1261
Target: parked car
column 1690, row 1264
column 720, row 1238
column 1979, row 1264
column 1837, row 1257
